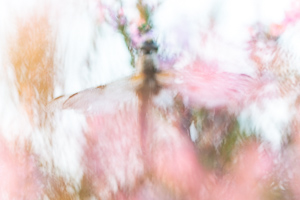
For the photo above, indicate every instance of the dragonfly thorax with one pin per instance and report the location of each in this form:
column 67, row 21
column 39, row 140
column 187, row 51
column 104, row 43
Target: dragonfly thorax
column 147, row 66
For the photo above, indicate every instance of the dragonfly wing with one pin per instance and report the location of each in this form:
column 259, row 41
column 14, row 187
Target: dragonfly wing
column 100, row 100
column 202, row 87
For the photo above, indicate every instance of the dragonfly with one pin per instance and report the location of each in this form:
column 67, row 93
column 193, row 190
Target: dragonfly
column 142, row 116
column 150, row 86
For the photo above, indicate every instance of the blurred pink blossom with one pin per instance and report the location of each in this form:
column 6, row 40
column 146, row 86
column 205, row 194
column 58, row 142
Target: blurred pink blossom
column 20, row 177
column 118, row 158
column 245, row 179
column 113, row 158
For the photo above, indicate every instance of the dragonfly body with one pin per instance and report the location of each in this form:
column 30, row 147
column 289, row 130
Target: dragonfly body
column 150, row 85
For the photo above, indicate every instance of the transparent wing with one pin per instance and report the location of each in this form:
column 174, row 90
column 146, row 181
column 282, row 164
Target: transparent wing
column 204, row 87
column 100, row 100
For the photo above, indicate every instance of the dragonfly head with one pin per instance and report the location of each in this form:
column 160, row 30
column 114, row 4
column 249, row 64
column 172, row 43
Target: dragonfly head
column 149, row 47
column 148, row 59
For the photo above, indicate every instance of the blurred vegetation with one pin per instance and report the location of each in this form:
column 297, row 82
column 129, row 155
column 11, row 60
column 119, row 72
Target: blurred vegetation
column 32, row 57
column 220, row 137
